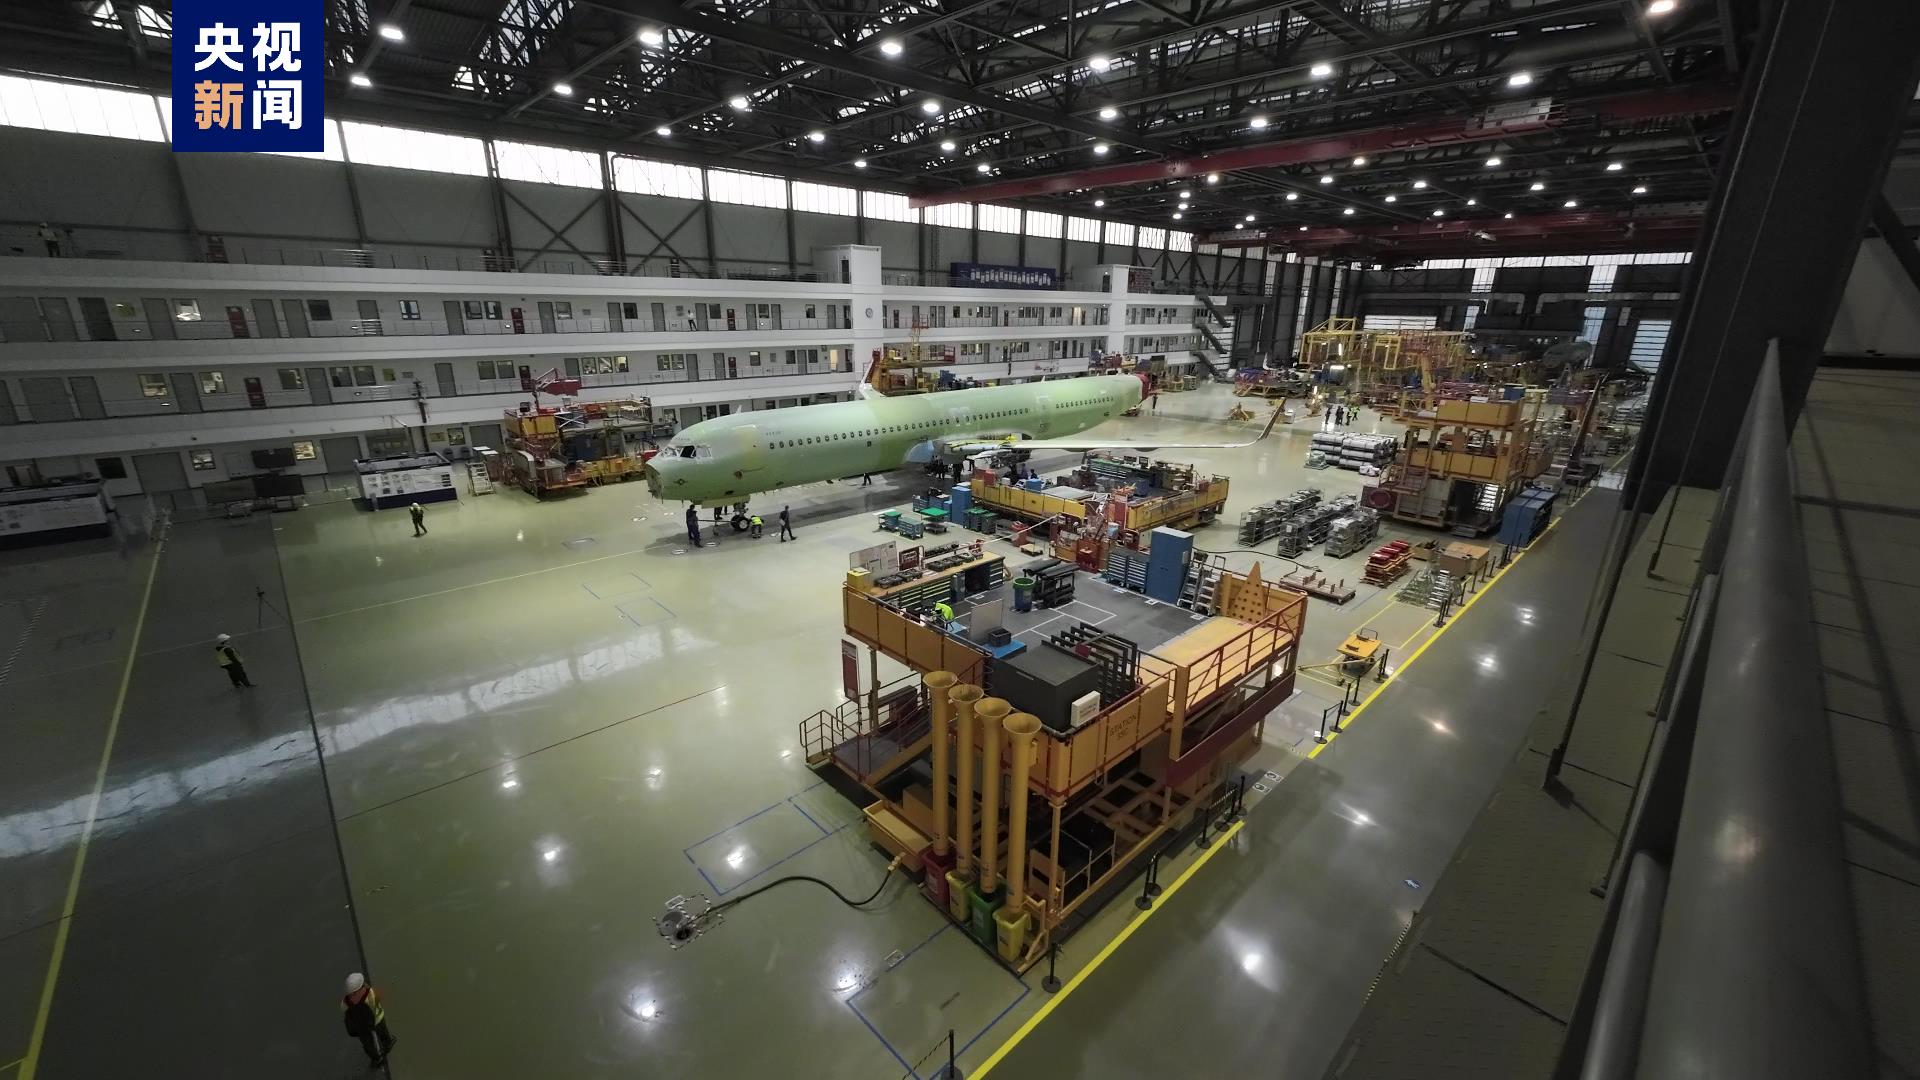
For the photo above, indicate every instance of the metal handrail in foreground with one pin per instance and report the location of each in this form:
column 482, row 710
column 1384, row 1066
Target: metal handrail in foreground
column 1749, row 966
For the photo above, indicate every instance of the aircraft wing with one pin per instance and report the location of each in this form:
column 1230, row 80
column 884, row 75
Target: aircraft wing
column 974, row 446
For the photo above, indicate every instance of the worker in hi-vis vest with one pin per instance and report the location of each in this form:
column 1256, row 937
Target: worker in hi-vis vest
column 228, row 659
column 360, row 1010
column 943, row 611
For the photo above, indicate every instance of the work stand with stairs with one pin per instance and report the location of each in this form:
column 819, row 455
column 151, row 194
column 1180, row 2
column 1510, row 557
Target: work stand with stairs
column 1214, row 321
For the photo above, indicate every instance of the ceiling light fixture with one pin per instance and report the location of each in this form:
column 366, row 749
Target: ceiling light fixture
column 663, row 131
column 358, row 79
column 1493, row 162
column 1419, row 185
column 859, row 163
column 1536, row 186
column 1473, row 202
column 1249, row 219
column 1439, row 213
column 1292, row 195
column 1109, row 113
column 947, row 146
column 1520, row 78
column 650, row 36
column 1639, row 189
column 1176, row 215
column 1661, row 7
column 930, row 107
column 1303, row 228
column 1099, row 148
column 891, row 47
column 1099, row 202
column 1320, row 71
column 1508, row 215
column 739, row 103
column 1213, row 178
column 1393, row 198
column 392, row 32
column 983, row 167
column 1615, row 166
column 1571, row 203
column 563, row 89
column 1257, row 123
column 1099, row 63
column 1360, row 162
column 1326, row 178
column 1348, row 211
column 816, row 136
column 1185, row 194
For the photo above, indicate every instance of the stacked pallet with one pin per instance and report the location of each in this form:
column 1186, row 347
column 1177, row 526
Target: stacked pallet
column 1355, row 451
column 1387, row 563
column 1262, row 522
column 1351, row 531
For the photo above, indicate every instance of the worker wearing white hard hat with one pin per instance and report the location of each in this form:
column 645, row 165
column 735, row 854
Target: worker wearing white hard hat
column 365, row 1019
column 228, row 658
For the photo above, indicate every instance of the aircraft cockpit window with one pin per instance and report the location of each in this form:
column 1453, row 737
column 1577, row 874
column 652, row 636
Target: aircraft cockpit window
column 702, row 453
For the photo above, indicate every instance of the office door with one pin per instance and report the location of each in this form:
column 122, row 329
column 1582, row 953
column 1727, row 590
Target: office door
column 547, row 325
column 340, row 454
column 319, row 387
column 186, row 392
column 160, row 472
column 256, row 394
column 47, row 400
column 456, row 320
column 59, row 319
column 487, row 435
column 86, row 397
column 732, row 320
column 659, row 313
column 370, row 323
column 296, row 313
column 99, row 324
column 159, row 318
column 237, row 322
column 613, row 317
column 444, row 373
column 264, row 319
column 733, row 367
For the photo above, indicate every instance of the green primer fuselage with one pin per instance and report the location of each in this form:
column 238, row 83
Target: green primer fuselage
column 726, row 459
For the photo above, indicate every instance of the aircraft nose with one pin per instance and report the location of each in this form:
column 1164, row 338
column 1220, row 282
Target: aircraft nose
column 654, row 482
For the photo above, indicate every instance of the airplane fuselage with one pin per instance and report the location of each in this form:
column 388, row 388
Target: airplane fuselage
column 724, row 460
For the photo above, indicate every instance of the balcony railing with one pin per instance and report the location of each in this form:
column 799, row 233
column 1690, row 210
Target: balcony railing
column 370, row 259
column 1728, row 947
column 39, row 330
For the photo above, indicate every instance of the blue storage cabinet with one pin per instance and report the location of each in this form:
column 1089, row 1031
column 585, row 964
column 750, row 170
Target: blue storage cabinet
column 1526, row 517
column 1168, row 552
column 962, row 501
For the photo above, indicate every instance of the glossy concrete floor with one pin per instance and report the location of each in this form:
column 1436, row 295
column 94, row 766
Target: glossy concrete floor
column 537, row 724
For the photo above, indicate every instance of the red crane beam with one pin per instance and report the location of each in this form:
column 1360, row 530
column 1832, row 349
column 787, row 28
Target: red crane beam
column 1478, row 236
column 1622, row 109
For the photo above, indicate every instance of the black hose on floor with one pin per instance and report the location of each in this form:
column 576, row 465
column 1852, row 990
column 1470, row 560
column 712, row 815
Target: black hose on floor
column 827, row 885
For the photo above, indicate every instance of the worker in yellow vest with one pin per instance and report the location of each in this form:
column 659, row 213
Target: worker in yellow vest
column 757, row 525
column 944, row 612
column 365, row 1019
column 229, row 661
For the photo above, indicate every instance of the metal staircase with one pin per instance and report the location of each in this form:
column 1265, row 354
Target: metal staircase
column 1215, row 324
column 849, row 737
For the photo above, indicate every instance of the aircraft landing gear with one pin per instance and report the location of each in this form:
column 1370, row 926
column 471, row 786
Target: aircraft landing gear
column 741, row 519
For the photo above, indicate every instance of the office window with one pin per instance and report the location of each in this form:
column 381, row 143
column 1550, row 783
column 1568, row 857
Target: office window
column 304, row 451
column 387, row 376
column 493, row 309
column 471, row 309
column 110, row 468
column 319, row 311
column 562, row 309
column 186, row 310
column 753, row 358
column 810, row 311
column 363, row 375
column 340, row 376
column 406, row 148
column 746, row 189
column 124, row 310
column 409, row 309
column 80, row 110
column 1041, row 223
column 824, row 199
column 213, row 382
column 153, row 386
column 292, row 379
column 952, row 215
column 656, row 178
column 547, row 164
column 883, row 206
column 201, row 460
column 1001, row 219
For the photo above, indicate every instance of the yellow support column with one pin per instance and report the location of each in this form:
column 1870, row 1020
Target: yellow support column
column 940, row 686
column 1013, row 922
column 960, row 878
column 985, row 901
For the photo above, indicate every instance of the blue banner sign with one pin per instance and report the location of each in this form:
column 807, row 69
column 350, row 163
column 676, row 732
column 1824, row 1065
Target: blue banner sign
column 983, row 276
column 247, row 75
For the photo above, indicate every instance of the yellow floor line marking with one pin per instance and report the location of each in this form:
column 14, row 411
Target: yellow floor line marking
column 1317, row 677
column 1100, row 957
column 31, row 1062
column 470, row 585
